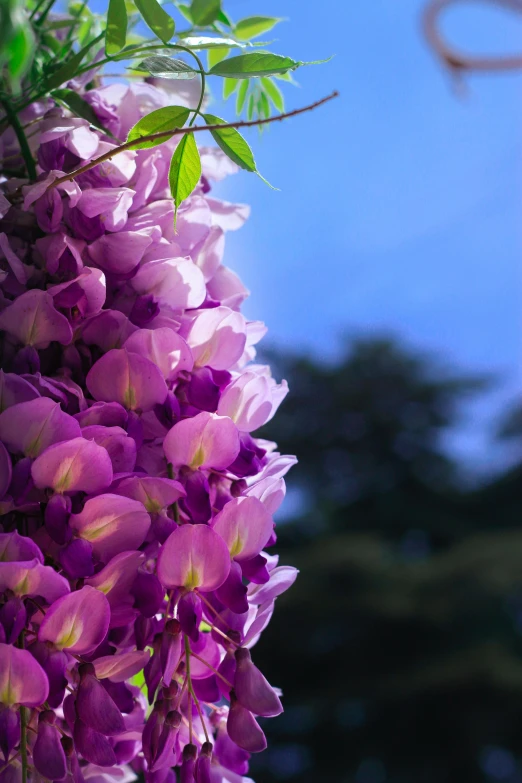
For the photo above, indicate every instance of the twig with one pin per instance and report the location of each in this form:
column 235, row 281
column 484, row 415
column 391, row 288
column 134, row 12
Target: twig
column 456, row 60
column 177, row 131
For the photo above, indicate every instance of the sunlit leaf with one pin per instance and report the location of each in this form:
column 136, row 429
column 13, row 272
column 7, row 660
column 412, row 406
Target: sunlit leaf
column 116, row 33
column 241, row 96
column 185, row 169
column 167, row 118
column 232, row 143
column 216, row 54
column 166, row 67
column 204, row 12
column 156, row 18
column 229, row 86
column 274, row 93
column 252, row 26
column 245, row 66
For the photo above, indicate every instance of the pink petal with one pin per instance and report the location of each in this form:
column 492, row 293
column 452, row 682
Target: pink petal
column 155, row 493
column 128, row 378
column 193, row 556
column 217, row 338
column 115, row 580
column 31, row 578
column 112, row 524
column 22, row 679
column 73, row 466
column 119, row 668
column 30, row 427
column 177, row 282
column 120, row 253
column 245, row 525
column 204, row 441
column 78, row 622
column 33, row 320
column 164, row 347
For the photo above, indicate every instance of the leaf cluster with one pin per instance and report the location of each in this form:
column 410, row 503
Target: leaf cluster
column 46, row 54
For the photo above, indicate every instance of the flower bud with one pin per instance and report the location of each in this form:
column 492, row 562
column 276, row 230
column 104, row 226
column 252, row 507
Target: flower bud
column 252, row 689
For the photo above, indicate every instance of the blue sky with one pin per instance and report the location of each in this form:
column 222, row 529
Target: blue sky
column 400, row 202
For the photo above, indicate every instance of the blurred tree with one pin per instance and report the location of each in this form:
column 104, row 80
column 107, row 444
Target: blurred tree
column 368, row 433
column 399, row 645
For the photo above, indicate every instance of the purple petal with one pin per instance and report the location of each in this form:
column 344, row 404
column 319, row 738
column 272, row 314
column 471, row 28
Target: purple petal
column 176, row 281
column 164, row 347
column 252, row 689
column 119, row 668
column 193, row 556
column 204, row 441
column 245, row 525
column 107, row 330
column 112, row 524
column 87, row 292
column 243, row 728
column 155, row 493
column 116, row 579
column 30, row 427
column 281, row 578
column 14, row 389
column 14, row 547
column 128, row 378
column 93, row 746
column 73, row 466
column 6, row 470
column 252, row 399
column 78, row 622
column 31, row 578
column 217, row 338
column 33, row 320
column 120, row 447
column 22, row 679
column 95, row 707
column 48, row 755
column 119, row 254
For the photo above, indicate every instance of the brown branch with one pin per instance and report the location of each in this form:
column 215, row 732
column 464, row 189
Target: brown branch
column 456, row 60
column 190, row 129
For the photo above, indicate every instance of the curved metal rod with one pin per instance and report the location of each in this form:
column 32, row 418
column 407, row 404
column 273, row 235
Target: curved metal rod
column 457, row 60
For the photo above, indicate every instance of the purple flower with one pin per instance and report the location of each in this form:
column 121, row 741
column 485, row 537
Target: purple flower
column 126, row 404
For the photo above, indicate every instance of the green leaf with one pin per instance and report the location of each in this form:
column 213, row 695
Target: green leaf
column 78, row 106
column 241, row 96
column 116, row 33
column 274, row 93
column 250, row 107
column 168, row 118
column 20, row 51
column 204, row 12
column 230, row 86
column 206, row 42
column 185, row 11
column 263, row 106
column 232, row 143
column 252, row 26
column 166, row 67
column 245, row 66
column 185, row 169
column 156, row 18
column 68, row 70
column 223, row 18
column 216, row 54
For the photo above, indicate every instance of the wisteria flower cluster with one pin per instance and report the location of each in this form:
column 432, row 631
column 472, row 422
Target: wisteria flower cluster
column 136, row 505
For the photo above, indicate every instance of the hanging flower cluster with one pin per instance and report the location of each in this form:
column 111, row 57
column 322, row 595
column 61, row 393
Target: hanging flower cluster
column 136, row 505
